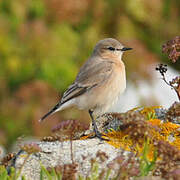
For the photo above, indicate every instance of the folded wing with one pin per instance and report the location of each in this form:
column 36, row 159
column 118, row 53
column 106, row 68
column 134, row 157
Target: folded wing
column 88, row 77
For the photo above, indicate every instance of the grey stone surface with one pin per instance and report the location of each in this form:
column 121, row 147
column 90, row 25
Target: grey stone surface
column 58, row 153
column 2, row 152
column 161, row 113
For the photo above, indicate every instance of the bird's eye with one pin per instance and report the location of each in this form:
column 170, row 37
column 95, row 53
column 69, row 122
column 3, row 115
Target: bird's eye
column 111, row 48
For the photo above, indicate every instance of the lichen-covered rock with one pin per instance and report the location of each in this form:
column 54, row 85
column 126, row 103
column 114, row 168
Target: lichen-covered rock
column 127, row 131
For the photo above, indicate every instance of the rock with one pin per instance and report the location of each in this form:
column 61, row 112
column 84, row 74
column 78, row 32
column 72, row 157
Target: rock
column 59, row 153
column 2, row 152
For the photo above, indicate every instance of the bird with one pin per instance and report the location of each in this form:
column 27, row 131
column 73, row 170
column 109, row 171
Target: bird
column 99, row 83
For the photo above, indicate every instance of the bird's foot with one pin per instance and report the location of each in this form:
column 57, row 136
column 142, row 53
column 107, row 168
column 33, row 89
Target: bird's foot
column 100, row 136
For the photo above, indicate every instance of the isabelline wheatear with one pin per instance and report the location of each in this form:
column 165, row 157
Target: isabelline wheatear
column 99, row 83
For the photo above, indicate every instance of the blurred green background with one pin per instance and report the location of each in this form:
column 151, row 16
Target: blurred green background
column 44, row 42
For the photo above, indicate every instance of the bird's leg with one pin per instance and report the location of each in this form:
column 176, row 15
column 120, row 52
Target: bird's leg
column 96, row 131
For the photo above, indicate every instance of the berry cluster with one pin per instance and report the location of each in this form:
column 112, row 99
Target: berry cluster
column 162, row 68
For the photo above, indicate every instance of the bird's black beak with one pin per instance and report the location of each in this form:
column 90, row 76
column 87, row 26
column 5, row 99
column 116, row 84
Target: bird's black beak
column 126, row 49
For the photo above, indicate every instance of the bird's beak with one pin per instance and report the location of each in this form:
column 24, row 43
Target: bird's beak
column 126, row 49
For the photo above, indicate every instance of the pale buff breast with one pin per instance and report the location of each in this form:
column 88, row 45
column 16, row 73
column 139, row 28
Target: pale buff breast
column 104, row 95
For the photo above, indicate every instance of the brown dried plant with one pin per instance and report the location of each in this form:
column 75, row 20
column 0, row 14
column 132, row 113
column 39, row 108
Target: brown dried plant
column 172, row 48
column 169, row 160
column 126, row 166
column 174, row 83
column 52, row 138
column 7, row 158
column 173, row 113
column 30, row 148
column 102, row 156
column 69, row 128
column 68, row 171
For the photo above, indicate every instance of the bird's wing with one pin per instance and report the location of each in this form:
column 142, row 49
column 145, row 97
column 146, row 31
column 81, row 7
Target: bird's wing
column 90, row 75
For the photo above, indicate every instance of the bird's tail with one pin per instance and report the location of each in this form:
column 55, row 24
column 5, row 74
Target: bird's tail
column 52, row 111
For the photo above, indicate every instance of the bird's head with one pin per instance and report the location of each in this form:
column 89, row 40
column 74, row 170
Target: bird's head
column 110, row 48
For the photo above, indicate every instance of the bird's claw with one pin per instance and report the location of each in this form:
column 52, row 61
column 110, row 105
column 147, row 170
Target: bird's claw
column 99, row 136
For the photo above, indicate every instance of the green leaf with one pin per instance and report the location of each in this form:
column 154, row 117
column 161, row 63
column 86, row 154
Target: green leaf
column 108, row 174
column 45, row 174
column 3, row 173
column 145, row 164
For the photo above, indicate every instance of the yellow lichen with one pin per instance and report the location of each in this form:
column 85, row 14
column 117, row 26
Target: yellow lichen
column 132, row 139
column 120, row 139
column 148, row 110
column 155, row 122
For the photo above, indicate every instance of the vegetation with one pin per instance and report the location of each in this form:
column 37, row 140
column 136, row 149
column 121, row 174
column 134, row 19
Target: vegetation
column 154, row 145
column 42, row 45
